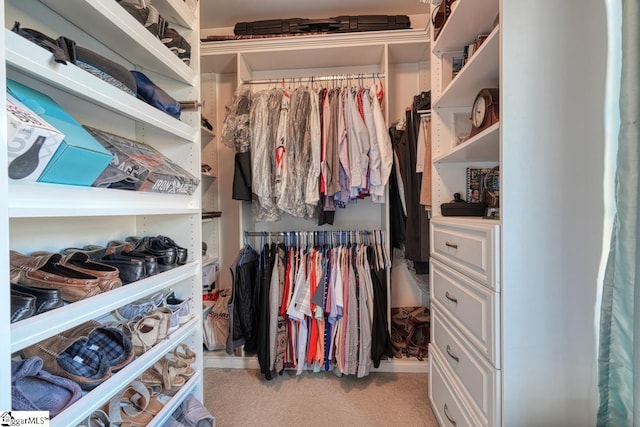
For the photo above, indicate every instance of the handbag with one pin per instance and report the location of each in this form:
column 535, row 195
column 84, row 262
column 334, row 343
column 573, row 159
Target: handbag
column 410, row 331
column 439, row 17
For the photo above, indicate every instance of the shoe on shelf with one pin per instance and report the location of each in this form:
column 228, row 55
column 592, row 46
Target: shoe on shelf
column 191, row 412
column 72, row 358
column 183, row 352
column 129, row 269
column 181, row 253
column 169, row 370
column 183, row 357
column 45, row 271
column 165, row 314
column 166, row 255
column 150, row 329
column 23, row 306
column 151, row 264
column 112, row 342
column 144, row 401
column 34, row 389
column 94, row 254
column 108, row 275
column 46, row 299
column 140, row 308
column 98, row 418
column 152, row 379
column 132, row 239
column 129, row 407
column 180, row 306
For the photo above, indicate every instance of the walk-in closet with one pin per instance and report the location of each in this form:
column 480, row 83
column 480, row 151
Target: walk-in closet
column 381, row 205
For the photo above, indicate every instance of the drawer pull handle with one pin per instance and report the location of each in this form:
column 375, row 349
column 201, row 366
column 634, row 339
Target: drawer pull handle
column 451, row 420
column 452, row 354
column 451, row 245
column 450, row 298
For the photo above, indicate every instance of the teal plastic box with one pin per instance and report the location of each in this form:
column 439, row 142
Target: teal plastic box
column 80, row 158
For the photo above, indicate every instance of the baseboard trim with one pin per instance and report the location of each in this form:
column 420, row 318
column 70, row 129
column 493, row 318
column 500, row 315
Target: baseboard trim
column 214, row 360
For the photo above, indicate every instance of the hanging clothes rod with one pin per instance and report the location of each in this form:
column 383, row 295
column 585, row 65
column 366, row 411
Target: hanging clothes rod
column 310, row 79
column 285, row 233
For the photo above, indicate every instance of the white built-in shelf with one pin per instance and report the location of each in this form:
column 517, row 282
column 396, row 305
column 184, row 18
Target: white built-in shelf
column 31, row 60
column 322, row 51
column 483, row 147
column 41, row 200
column 206, row 134
column 479, row 72
column 76, row 413
column 209, row 259
column 208, row 175
column 34, row 329
column 468, row 19
column 176, row 11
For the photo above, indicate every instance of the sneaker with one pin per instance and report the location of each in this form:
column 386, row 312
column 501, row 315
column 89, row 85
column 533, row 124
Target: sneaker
column 180, row 307
column 140, row 308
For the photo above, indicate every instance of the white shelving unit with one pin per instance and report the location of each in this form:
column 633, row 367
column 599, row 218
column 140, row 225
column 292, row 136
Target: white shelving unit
column 465, row 368
column 50, row 217
column 514, row 321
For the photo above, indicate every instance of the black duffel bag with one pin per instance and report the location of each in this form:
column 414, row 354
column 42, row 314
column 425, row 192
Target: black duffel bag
column 338, row 24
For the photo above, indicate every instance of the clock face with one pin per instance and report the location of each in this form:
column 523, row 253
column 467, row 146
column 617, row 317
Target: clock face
column 479, row 112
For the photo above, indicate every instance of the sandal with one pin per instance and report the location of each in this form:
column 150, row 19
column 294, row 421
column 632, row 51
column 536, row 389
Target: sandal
column 164, row 314
column 183, row 360
column 183, row 369
column 186, row 355
column 145, row 333
column 130, row 406
column 98, row 418
column 146, row 402
column 172, row 381
column 152, row 379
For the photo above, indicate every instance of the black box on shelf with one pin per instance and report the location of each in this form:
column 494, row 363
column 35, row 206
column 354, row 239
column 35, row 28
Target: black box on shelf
column 140, row 167
column 463, row 209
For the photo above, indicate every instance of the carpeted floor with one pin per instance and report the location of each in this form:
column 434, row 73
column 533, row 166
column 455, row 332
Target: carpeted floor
column 242, row 397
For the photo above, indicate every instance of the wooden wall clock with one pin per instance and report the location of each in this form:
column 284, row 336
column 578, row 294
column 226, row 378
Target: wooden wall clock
column 485, row 111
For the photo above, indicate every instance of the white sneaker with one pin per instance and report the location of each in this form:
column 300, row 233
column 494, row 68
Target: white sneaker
column 180, row 307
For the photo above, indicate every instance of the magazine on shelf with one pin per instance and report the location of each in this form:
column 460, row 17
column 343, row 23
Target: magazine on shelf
column 479, row 179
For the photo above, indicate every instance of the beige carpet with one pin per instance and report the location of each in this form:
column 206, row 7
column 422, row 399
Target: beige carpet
column 242, row 397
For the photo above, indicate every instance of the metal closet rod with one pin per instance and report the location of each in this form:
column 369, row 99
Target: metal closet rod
column 285, row 233
column 327, row 236
column 315, row 79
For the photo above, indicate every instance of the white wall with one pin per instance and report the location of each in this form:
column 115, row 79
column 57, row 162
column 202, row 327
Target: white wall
column 553, row 87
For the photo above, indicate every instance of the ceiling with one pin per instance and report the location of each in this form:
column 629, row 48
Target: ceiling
column 226, row 13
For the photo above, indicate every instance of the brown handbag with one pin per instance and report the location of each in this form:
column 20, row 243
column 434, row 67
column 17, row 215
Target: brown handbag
column 439, row 17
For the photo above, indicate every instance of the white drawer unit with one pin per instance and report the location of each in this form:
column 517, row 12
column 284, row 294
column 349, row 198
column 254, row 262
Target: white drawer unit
column 474, row 374
column 471, row 245
column 445, row 399
column 471, row 307
column 465, row 321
